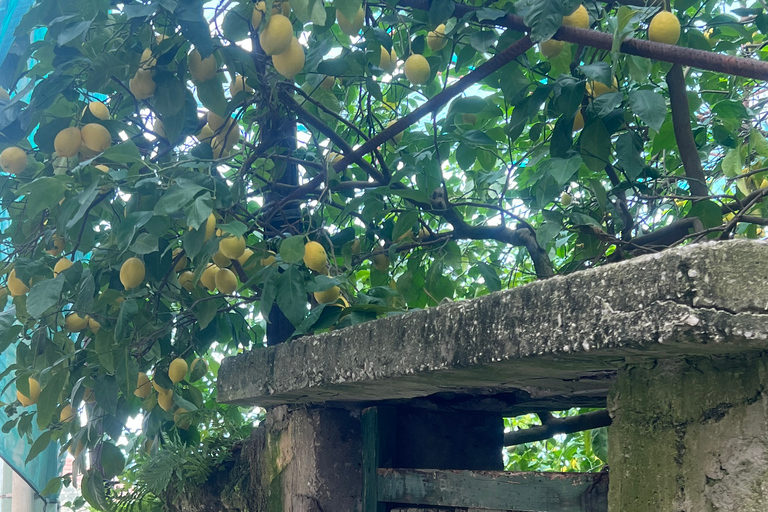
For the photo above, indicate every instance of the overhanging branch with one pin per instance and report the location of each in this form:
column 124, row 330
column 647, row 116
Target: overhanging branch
column 554, row 426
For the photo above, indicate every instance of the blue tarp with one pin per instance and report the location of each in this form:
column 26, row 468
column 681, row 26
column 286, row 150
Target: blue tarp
column 11, row 12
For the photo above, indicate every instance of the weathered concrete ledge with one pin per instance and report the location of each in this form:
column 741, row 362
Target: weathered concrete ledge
column 563, row 338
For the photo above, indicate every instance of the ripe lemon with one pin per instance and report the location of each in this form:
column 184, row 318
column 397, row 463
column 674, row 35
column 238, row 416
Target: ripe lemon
column 226, row 281
column 243, row 259
column 315, row 257
column 277, row 35
column 147, row 61
column 177, row 370
column 197, row 369
column 208, row 277
column 202, row 69
column 206, row 134
column 75, row 323
column 13, row 160
column 89, row 396
column 185, row 280
column 595, row 88
column 215, row 121
column 566, row 199
column 182, row 263
column 16, row 285
column 67, row 414
column 225, row 141
column 469, row 118
column 328, row 296
column 351, row 27
column 328, row 82
column 259, row 10
column 94, row 325
column 143, row 386
column 381, row 263
column 578, row 18
column 102, row 168
column 165, row 400
column 290, row 62
column 98, row 109
column 132, row 273
column 238, row 85
column 388, row 60
column 58, row 245
column 34, row 393
column 664, row 28
column 436, row 39
column 61, row 265
column 578, row 121
column 232, row 247
column 551, row 48
column 398, row 137
column 210, row 226
column 178, row 418
column 220, row 260
column 141, row 85
column 269, row 260
column 67, row 142
column 417, row 69
column 95, row 137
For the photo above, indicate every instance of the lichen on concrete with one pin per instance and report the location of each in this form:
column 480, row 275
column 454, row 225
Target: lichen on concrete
column 558, row 337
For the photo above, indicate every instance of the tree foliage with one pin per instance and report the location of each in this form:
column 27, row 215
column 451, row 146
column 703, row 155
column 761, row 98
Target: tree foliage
column 505, row 166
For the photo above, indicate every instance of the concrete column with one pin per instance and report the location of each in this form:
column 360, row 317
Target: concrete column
column 6, row 486
column 22, row 495
column 690, row 436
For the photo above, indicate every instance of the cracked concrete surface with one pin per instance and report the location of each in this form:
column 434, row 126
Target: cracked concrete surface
column 557, row 341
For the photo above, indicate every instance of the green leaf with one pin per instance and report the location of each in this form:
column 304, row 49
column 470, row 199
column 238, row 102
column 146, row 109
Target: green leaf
column 40, row 444
column 730, row 109
column 41, row 194
column 177, row 197
column 440, row 11
column 758, row 142
column 732, row 163
column 405, row 223
column 492, row 281
column 7, row 319
column 708, row 212
column 44, row 295
column 235, row 228
column 48, row 401
column 482, row 40
column 237, row 22
column 112, row 460
column 126, row 371
column 292, row 249
column 106, row 391
column 211, row 94
column 92, row 489
column 123, row 153
column 561, row 169
column 205, row 312
column 311, row 11
column 348, row 8
column 169, row 94
column 595, row 146
column 649, row 106
column 194, row 25
column 291, row 295
column 199, row 211
column 85, row 199
column 144, row 244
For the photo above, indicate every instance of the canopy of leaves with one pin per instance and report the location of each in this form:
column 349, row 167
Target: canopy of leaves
column 506, row 166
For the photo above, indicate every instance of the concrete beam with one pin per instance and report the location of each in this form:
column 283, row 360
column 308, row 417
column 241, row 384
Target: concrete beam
column 557, row 342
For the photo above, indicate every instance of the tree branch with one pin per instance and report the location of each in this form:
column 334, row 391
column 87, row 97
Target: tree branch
column 681, row 121
column 553, row 426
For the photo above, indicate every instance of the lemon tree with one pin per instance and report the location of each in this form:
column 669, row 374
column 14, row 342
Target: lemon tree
column 184, row 180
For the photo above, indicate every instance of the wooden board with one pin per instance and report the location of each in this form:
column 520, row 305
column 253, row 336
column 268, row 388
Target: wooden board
column 496, row 490
column 378, row 428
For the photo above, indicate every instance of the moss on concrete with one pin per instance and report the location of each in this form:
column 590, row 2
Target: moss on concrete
column 690, row 435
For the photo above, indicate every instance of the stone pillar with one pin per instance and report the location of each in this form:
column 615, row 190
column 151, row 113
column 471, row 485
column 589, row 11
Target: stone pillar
column 307, row 460
column 690, row 436
column 6, row 486
column 22, row 496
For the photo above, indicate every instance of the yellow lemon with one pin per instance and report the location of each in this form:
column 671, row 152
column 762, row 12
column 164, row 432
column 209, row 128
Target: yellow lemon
column 58, row 245
column 565, row 199
column 177, row 370
column 290, row 62
column 67, row 142
column 178, row 418
column 664, row 28
column 277, row 35
column 34, row 393
column 197, row 369
column 436, row 39
column 102, row 168
column 388, row 60
column 61, row 265
column 351, row 27
column 226, row 281
column 210, row 226
column 185, row 280
column 259, row 10
column 398, row 137
column 232, row 247
column 75, row 323
column 202, row 69
column 595, row 88
column 578, row 18
column 269, row 260
column 328, row 296
column 381, row 263
column 551, row 48
column 13, row 160
column 182, row 263
column 417, row 69
column 89, row 396
column 142, row 86
column 315, row 257
column 220, row 260
column 16, row 285
column 165, row 400
column 94, row 325
column 98, row 109
column 328, row 82
column 243, row 259
column 96, row 137
column 132, row 273
column 147, row 61
column 143, row 386
column 578, row 121
column 238, row 85
column 67, row 414
column 208, row 277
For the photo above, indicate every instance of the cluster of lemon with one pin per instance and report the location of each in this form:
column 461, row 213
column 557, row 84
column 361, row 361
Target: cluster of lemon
column 178, row 370
column 277, row 40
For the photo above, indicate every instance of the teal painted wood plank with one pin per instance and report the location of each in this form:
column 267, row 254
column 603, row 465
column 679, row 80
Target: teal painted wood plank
column 378, row 429
column 496, row 490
